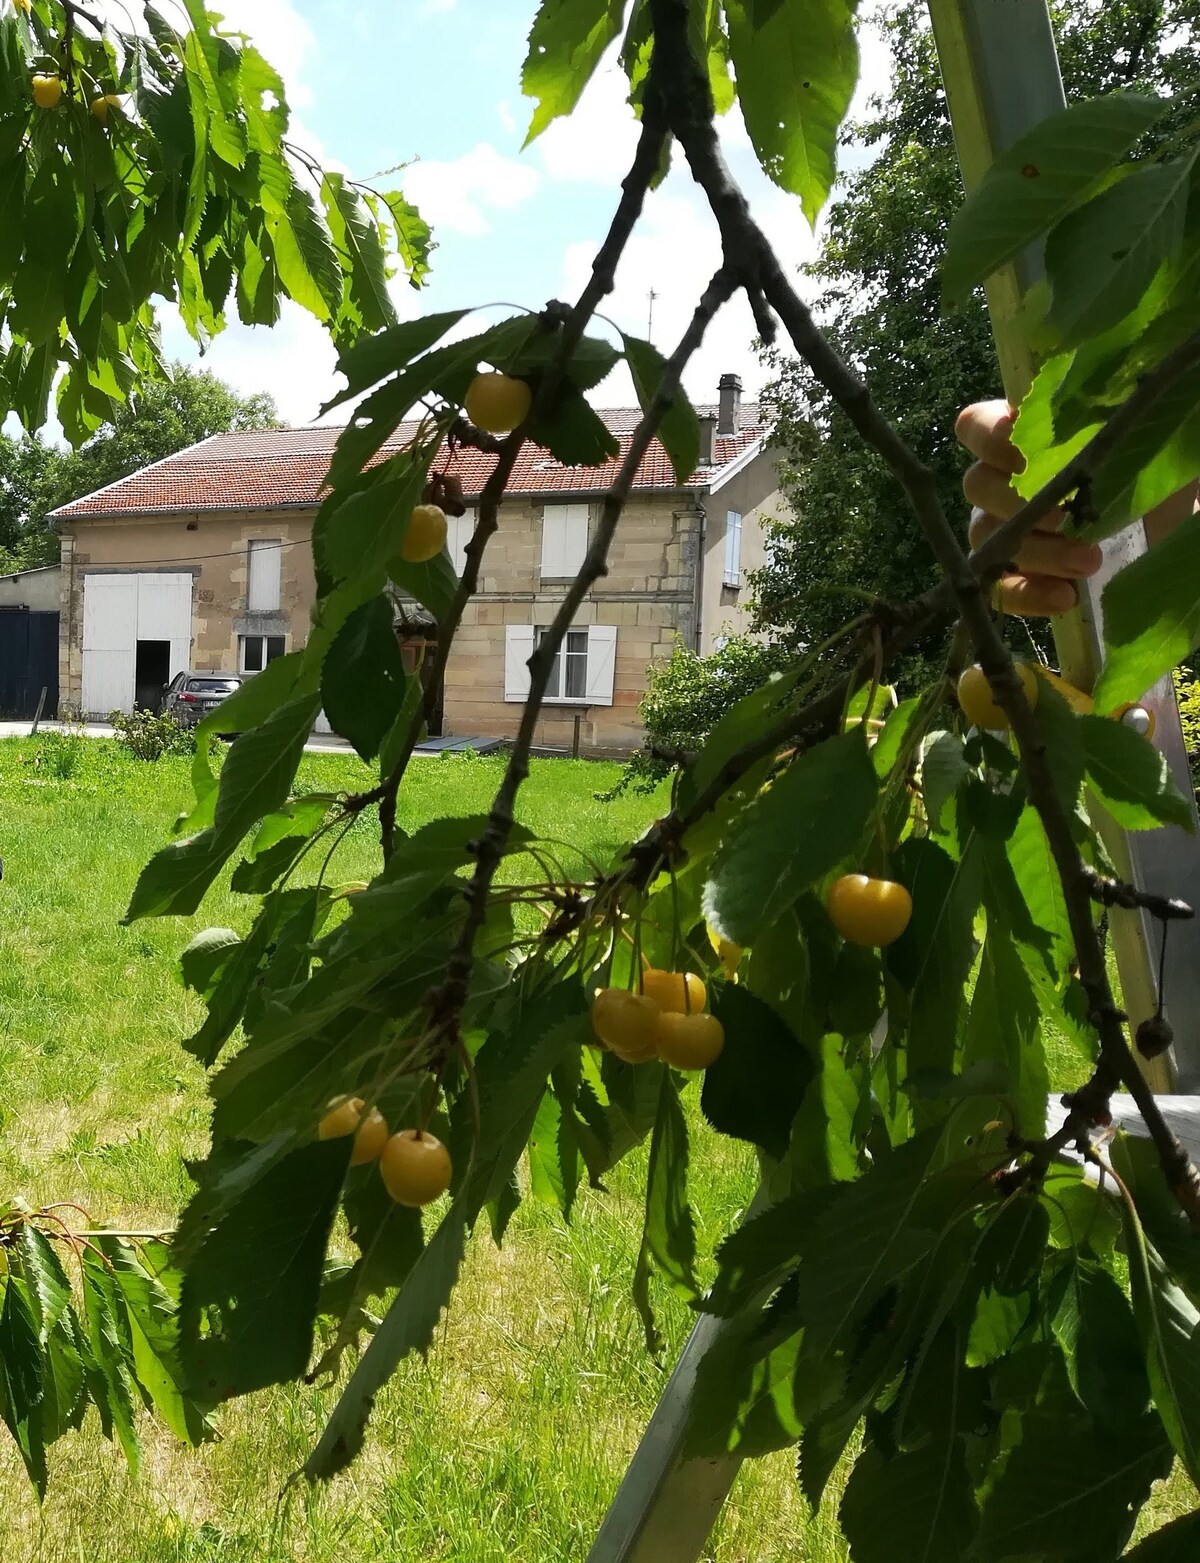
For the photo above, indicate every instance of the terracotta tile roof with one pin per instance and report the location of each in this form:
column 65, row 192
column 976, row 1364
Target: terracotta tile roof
column 286, row 468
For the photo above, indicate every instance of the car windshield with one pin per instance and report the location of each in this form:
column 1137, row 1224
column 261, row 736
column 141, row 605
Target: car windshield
column 212, row 686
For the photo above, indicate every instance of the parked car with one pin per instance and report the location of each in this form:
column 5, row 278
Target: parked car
column 189, row 697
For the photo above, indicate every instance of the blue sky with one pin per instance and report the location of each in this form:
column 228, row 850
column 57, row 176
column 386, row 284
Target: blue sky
column 436, row 84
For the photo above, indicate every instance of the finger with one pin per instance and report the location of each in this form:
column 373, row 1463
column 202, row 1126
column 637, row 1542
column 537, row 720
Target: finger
column 1043, row 553
column 1036, row 596
column 989, row 489
column 985, row 429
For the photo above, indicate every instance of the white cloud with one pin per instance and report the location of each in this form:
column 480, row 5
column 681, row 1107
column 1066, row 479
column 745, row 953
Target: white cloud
column 456, row 196
column 594, row 144
column 278, row 31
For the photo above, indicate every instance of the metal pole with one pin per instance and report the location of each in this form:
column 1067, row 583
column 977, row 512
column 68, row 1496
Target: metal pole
column 41, row 706
column 1000, row 70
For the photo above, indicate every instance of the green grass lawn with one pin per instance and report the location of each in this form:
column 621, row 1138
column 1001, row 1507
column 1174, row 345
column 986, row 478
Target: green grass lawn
column 510, row 1441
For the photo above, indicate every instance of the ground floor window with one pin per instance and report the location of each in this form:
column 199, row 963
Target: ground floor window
column 584, row 666
column 257, row 650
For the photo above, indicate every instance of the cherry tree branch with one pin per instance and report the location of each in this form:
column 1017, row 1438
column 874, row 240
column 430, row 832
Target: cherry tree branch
column 446, row 1003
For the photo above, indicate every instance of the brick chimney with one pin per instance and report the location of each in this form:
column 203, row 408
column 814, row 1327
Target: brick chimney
column 729, row 415
column 708, row 427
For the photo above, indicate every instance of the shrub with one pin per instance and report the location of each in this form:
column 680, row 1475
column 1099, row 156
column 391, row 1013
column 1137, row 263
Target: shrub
column 1188, row 691
column 59, row 755
column 148, row 736
column 685, row 698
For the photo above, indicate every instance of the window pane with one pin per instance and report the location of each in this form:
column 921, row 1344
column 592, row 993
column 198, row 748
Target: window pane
column 275, row 647
column 554, row 687
column 577, row 673
column 252, row 653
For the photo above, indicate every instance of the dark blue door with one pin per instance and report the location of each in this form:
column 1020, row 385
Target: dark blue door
column 28, row 662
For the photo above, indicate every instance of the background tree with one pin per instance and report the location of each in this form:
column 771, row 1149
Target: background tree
column 879, row 269
column 160, row 418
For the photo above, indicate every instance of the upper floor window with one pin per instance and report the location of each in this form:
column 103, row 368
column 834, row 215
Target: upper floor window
column 262, row 588
column 564, row 539
column 733, row 548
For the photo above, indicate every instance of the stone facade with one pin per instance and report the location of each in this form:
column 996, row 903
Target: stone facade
column 664, row 586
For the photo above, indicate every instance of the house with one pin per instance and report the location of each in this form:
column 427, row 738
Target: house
column 203, row 560
column 29, row 641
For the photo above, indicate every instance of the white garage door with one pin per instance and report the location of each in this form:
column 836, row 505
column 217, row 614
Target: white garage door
column 120, row 610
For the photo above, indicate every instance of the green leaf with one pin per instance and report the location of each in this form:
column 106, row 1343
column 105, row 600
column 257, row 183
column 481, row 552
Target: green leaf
column 63, row 1401
column 566, row 43
column 176, row 879
column 1176, row 1542
column 109, row 1349
column 943, row 770
column 554, row 1159
column 811, row 818
column 363, row 679
column 668, row 1233
column 1038, row 180
column 369, row 360
column 201, row 962
column 408, row 1326
column 365, row 531
column 913, row 1508
column 1151, row 617
column 754, row 1258
column 1004, row 1028
column 796, row 69
column 1070, row 1490
column 304, row 255
column 572, row 431
column 250, row 1291
column 260, row 769
column 1039, row 885
column 758, row 1047
column 932, row 957
column 1102, row 257
column 512, row 1069
column 1095, row 1327
column 49, row 1288
column 357, row 237
column 1132, row 777
column 1169, row 1325
column 754, row 1398
column 153, row 1325
column 280, row 839
column 679, row 429
column 21, row 1378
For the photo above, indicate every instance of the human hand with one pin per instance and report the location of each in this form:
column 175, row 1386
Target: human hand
column 1047, row 566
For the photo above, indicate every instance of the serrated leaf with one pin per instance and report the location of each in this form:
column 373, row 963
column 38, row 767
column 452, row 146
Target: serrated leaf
column 554, row 1159
column 250, row 1291
column 49, row 1288
column 1070, row 1490
column 668, row 1232
column 63, row 1401
column 358, row 238
column 109, row 1352
column 201, row 962
column 1038, row 180
column 1157, row 456
column 566, row 43
column 759, row 1046
column 1004, row 1027
column 363, row 678
column 1151, row 617
column 1169, row 1325
column 177, row 878
column 1095, row 1327
column 370, row 360
column 304, row 255
column 153, row 1325
column 679, row 429
column 751, row 1399
column 914, row 1508
column 21, row 1377
column 1132, row 777
column 408, row 1326
column 811, row 818
column 572, row 431
column 943, row 770
column 260, row 768
column 365, row 531
column 796, row 70
column 755, row 1257
column 1102, row 256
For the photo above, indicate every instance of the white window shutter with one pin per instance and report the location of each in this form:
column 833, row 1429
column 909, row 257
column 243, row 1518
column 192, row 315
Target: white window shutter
column 554, row 540
column 518, row 648
column 262, row 590
column 462, row 529
column 601, row 663
column 564, row 539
